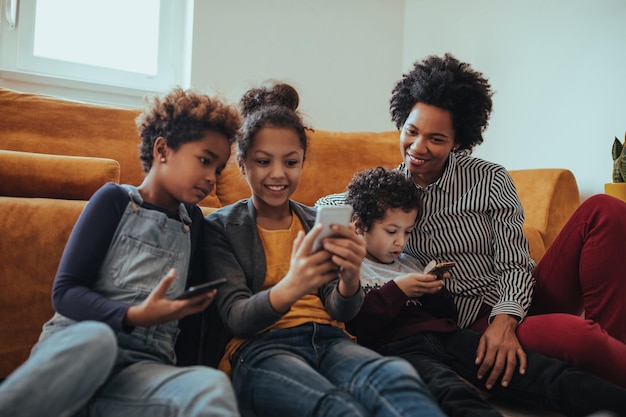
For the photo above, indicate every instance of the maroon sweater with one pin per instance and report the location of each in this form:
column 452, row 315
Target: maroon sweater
column 388, row 315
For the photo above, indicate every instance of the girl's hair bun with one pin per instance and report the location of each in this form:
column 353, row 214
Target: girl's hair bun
column 271, row 93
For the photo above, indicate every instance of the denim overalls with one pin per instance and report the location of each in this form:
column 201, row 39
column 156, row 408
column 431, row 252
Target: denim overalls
column 88, row 370
column 145, row 246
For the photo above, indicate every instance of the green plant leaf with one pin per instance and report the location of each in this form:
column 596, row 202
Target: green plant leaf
column 618, row 152
column 617, row 148
column 621, row 164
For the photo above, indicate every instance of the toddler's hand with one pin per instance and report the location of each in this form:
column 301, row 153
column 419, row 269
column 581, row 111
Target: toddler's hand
column 417, row 284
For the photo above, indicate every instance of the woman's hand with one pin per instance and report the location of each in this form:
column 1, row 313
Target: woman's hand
column 417, row 284
column 499, row 350
column 158, row 309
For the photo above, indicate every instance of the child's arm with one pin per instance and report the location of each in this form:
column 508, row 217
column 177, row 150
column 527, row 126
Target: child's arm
column 386, row 309
column 380, row 309
column 311, row 270
column 231, row 252
column 308, row 271
column 82, row 257
column 416, row 284
column 344, row 299
column 80, row 265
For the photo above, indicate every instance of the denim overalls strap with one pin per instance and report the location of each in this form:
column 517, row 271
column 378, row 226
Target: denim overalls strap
column 145, row 246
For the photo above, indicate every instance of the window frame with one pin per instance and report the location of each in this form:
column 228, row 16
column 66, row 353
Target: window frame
column 19, row 67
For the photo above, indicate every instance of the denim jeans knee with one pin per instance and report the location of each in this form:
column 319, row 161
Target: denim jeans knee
column 318, row 370
column 72, row 363
column 152, row 389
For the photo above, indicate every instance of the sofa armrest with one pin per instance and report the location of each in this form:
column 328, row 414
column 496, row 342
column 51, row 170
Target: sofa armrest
column 549, row 197
column 27, row 174
column 536, row 245
column 51, row 125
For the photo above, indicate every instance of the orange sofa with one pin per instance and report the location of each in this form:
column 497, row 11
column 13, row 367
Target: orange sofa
column 55, row 153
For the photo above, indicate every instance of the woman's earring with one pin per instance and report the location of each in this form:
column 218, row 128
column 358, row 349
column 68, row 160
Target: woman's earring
column 163, row 159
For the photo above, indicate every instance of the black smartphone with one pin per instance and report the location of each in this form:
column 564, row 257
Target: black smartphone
column 440, row 268
column 201, row 289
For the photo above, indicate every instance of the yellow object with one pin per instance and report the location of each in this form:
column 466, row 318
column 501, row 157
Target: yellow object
column 277, row 245
column 616, row 189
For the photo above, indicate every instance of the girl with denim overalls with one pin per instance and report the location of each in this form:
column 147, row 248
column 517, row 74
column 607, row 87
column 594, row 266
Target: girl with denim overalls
column 110, row 347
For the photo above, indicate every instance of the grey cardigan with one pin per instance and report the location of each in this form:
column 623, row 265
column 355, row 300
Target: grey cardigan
column 234, row 251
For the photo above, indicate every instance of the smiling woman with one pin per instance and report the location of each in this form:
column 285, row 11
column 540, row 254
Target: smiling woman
column 130, row 45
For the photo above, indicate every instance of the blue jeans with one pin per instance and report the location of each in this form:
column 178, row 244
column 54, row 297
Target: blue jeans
column 80, row 371
column 316, row 370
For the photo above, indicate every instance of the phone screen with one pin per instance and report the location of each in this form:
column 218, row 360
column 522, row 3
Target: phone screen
column 201, row 289
column 328, row 215
column 439, row 269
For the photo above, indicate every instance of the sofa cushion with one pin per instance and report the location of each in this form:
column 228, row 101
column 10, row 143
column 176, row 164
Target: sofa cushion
column 535, row 243
column 38, row 123
column 549, row 197
column 28, row 174
column 34, row 234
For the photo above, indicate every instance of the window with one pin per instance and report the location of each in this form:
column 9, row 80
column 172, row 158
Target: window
column 137, row 44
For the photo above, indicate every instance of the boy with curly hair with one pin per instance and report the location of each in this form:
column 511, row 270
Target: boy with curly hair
column 400, row 318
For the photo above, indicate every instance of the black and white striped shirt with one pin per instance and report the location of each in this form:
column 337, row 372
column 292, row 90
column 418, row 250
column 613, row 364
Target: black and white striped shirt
column 472, row 215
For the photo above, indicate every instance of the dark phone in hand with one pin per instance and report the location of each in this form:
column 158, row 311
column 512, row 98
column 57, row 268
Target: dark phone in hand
column 442, row 267
column 201, row 289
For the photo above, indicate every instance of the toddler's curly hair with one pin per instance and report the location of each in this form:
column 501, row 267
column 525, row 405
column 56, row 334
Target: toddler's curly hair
column 374, row 191
column 183, row 116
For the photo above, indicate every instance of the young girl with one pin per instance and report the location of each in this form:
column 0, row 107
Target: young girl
column 400, row 318
column 109, row 349
column 285, row 306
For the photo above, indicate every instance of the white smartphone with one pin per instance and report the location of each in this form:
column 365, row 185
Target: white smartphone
column 327, row 215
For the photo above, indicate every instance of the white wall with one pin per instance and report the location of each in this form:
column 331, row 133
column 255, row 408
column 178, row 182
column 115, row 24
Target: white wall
column 342, row 56
column 558, row 68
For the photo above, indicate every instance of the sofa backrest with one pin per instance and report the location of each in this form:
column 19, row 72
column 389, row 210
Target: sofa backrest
column 331, row 161
column 31, row 174
column 36, row 123
column 48, row 125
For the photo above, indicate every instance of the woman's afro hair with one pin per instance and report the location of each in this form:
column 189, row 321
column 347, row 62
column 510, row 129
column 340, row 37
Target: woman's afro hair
column 447, row 83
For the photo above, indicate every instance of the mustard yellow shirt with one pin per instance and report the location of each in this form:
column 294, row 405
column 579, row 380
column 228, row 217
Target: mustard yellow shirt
column 277, row 245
